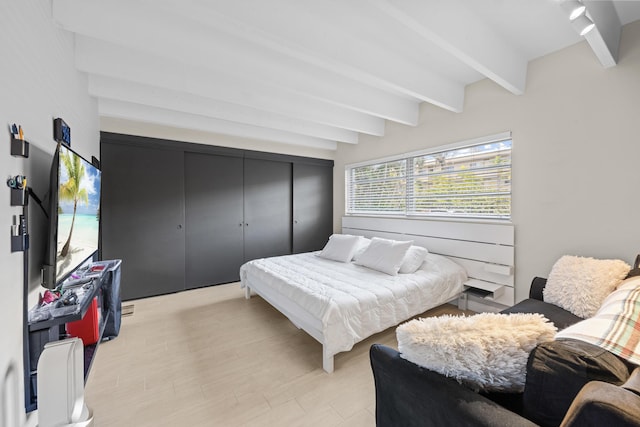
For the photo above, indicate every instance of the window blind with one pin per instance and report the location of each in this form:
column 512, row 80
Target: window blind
column 378, row 188
column 470, row 181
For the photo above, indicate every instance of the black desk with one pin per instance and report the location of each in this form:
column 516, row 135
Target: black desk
column 74, row 312
column 50, row 323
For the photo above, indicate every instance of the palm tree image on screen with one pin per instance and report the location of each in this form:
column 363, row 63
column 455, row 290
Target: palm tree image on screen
column 71, row 190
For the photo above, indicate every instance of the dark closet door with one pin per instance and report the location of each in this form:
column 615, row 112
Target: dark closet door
column 143, row 217
column 312, row 206
column 214, row 219
column 267, row 208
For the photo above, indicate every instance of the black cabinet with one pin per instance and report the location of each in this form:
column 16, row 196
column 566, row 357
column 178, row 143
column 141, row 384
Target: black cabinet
column 142, row 213
column 214, row 207
column 183, row 215
column 267, row 208
column 312, row 206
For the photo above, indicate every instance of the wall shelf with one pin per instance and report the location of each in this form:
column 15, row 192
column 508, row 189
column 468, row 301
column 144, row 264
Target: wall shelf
column 19, row 243
column 19, row 197
column 488, row 289
column 19, row 147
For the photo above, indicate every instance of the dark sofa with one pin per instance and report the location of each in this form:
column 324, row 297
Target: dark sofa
column 569, row 383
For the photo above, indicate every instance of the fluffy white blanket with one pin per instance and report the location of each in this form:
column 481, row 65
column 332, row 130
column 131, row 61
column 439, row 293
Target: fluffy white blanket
column 487, row 351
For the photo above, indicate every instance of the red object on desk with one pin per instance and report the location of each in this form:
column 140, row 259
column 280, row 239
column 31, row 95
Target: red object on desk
column 49, row 297
column 87, row 329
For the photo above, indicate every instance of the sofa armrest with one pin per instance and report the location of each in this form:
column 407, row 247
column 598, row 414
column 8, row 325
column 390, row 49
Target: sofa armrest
column 604, row 404
column 411, row 396
column 537, row 286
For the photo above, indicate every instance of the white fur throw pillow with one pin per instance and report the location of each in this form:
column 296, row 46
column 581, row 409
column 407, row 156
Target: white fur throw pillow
column 580, row 284
column 487, row 351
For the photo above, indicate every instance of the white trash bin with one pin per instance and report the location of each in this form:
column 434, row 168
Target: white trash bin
column 61, row 385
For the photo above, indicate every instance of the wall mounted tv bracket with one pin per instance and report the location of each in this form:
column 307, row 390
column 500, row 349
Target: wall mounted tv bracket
column 48, row 276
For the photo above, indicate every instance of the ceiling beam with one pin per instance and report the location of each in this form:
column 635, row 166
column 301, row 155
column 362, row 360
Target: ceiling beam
column 452, row 26
column 192, row 43
column 338, row 50
column 160, row 116
column 138, row 93
column 604, row 39
column 102, row 58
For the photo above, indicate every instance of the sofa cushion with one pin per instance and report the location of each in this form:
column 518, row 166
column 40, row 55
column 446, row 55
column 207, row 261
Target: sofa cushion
column 557, row 370
column 487, row 351
column 559, row 317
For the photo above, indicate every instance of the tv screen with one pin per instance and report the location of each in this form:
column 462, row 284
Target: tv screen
column 74, row 215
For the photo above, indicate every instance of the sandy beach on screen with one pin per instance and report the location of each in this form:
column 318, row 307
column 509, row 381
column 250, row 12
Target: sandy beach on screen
column 84, row 241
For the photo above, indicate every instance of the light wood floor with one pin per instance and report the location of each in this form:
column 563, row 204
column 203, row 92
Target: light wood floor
column 209, row 357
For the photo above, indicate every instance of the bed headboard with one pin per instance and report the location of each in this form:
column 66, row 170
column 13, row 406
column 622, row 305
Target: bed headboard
column 485, row 249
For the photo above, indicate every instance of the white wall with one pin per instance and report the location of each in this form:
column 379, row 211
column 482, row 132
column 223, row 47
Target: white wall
column 576, row 150
column 38, row 82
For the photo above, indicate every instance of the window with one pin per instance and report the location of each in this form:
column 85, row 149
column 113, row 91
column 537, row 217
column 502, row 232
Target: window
column 470, row 180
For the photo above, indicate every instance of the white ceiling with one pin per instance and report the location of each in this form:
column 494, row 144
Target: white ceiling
column 313, row 72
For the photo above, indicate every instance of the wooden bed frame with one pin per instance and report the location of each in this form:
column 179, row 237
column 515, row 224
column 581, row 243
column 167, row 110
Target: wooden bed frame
column 484, row 249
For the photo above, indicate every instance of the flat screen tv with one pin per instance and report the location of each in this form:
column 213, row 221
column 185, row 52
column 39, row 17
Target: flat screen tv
column 74, row 215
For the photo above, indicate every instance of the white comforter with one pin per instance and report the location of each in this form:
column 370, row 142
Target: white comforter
column 353, row 302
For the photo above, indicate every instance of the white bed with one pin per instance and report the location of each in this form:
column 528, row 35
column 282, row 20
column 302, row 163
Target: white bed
column 340, row 304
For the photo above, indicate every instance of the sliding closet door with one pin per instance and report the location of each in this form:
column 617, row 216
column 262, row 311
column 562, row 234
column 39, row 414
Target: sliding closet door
column 267, row 208
column 142, row 217
column 182, row 216
column 214, row 219
column 312, row 206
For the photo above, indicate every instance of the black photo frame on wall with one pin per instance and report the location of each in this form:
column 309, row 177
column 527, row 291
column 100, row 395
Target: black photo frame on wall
column 61, row 131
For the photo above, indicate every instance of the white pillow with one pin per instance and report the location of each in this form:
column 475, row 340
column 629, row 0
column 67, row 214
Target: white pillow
column 580, row 284
column 340, row 247
column 486, row 351
column 384, row 255
column 363, row 244
column 413, row 259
